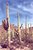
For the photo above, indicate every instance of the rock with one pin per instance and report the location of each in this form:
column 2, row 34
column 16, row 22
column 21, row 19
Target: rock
column 0, row 46
column 26, row 48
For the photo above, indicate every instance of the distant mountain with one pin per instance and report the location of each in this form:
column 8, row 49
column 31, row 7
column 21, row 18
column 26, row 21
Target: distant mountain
column 2, row 30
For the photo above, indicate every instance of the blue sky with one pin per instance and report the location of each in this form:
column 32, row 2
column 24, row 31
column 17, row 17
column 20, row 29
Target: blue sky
column 23, row 7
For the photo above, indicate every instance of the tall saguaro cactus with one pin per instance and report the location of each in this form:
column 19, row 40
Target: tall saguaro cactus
column 7, row 16
column 18, row 20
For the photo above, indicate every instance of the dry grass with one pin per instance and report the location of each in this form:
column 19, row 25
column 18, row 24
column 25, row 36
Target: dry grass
column 4, row 49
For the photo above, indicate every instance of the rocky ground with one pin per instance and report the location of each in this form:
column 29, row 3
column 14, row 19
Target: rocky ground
column 16, row 44
column 19, row 46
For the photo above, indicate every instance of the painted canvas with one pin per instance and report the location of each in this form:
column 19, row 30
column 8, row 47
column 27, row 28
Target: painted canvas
column 16, row 24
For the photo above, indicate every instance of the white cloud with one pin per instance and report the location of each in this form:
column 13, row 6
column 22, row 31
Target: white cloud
column 14, row 10
column 32, row 4
column 19, row 6
column 28, row 9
